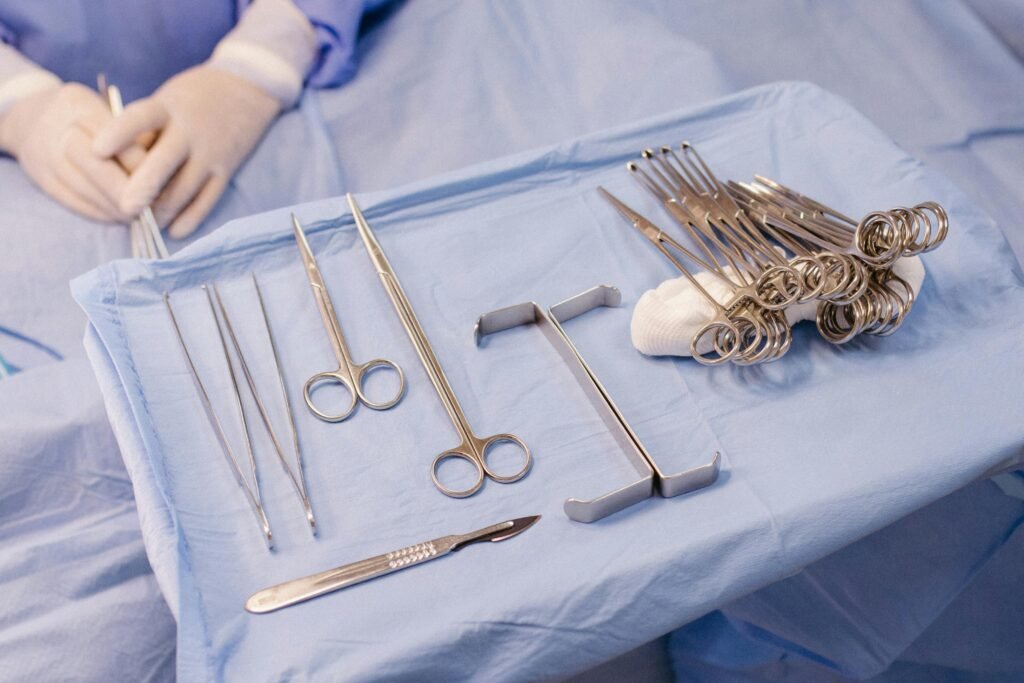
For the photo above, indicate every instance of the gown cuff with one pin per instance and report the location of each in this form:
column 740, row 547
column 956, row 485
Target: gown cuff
column 273, row 47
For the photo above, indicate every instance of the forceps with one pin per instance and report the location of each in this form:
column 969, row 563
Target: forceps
column 472, row 448
column 147, row 242
column 349, row 374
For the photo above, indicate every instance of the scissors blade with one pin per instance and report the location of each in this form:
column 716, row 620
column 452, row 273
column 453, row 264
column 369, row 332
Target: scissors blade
column 411, row 323
column 308, row 260
column 316, row 280
column 380, row 260
column 323, row 299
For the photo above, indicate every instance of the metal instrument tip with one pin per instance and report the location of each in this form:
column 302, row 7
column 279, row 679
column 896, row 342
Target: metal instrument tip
column 518, row 526
column 627, row 212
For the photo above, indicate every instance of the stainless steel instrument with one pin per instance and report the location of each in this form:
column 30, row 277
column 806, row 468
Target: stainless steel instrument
column 349, row 374
column 776, row 248
column 252, row 490
column 146, row 238
column 471, row 448
column 296, row 477
column 309, row 587
column 247, row 473
column 651, row 477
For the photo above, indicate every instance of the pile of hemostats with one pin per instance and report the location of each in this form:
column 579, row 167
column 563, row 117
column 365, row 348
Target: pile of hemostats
column 776, row 249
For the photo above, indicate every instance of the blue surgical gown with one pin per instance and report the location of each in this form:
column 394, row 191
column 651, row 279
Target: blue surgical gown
column 139, row 44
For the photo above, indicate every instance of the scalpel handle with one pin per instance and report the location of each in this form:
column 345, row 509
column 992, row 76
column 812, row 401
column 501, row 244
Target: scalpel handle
column 309, row 587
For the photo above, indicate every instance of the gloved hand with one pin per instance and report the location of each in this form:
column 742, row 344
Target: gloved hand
column 207, row 122
column 51, row 135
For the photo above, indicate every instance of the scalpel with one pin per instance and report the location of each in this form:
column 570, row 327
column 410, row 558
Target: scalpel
column 299, row 590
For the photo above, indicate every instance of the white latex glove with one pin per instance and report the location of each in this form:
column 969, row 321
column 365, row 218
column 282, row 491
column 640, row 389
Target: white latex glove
column 51, row 135
column 207, row 121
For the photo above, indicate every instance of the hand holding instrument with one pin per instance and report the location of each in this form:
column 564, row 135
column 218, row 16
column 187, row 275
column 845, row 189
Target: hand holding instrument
column 147, row 241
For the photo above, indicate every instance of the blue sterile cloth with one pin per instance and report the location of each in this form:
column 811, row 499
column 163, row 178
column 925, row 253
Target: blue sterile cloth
column 820, row 449
column 445, row 84
column 79, row 595
column 852, row 614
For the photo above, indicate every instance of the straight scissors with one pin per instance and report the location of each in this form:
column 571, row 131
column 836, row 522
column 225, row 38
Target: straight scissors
column 349, row 374
column 472, row 448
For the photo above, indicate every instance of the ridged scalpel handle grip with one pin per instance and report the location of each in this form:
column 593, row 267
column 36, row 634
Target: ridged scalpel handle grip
column 315, row 585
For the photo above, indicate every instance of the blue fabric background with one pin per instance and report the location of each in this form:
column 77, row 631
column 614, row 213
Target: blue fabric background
column 446, row 84
column 531, row 227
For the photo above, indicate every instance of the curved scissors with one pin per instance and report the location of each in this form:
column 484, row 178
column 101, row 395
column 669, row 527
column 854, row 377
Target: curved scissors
column 349, row 374
column 471, row 448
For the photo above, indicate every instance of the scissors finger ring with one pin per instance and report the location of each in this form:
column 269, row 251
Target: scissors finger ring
column 330, row 377
column 486, row 446
column 456, row 454
column 361, row 372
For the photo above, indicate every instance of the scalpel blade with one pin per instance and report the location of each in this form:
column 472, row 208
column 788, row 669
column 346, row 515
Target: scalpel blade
column 299, row 590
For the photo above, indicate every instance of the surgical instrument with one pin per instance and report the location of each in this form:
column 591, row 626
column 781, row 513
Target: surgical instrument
column 349, row 374
column 297, row 478
column 309, row 587
column 651, row 477
column 146, row 239
column 226, row 332
column 738, row 330
column 252, row 492
column 695, row 198
column 873, row 246
column 470, row 448
column 775, row 248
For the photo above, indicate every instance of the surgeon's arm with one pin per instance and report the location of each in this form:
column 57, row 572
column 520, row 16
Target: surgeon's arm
column 210, row 118
column 336, row 23
column 48, row 126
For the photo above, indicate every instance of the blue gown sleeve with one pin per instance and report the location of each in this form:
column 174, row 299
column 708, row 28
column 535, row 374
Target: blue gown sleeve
column 336, row 23
column 7, row 35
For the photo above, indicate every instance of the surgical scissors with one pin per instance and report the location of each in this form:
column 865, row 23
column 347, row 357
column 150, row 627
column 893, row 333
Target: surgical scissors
column 349, row 374
column 472, row 448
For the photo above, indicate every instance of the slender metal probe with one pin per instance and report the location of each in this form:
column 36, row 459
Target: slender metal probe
column 300, row 488
column 299, row 468
column 253, row 497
